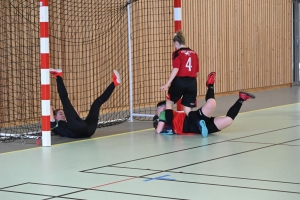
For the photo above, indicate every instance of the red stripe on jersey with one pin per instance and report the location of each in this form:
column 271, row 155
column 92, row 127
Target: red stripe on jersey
column 45, row 92
column 177, row 3
column 46, row 123
column 44, row 29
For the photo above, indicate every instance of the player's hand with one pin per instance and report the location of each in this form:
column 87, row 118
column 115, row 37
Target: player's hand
column 163, row 88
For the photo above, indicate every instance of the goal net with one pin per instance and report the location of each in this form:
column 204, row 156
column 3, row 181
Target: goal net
column 88, row 40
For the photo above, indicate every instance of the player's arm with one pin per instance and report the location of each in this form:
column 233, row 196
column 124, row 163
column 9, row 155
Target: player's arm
column 176, row 65
column 161, row 122
column 52, row 119
column 160, row 127
column 172, row 76
column 197, row 65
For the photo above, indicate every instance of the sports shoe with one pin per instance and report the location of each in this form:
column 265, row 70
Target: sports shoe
column 202, row 127
column 210, row 79
column 116, row 78
column 167, row 132
column 55, row 72
column 245, row 96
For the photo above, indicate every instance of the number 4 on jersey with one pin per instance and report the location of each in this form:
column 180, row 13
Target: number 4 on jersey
column 189, row 64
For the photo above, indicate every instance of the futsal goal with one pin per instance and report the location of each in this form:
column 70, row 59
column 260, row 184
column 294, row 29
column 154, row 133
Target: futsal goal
column 87, row 40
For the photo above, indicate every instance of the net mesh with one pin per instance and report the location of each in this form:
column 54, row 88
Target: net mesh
column 20, row 110
column 88, row 40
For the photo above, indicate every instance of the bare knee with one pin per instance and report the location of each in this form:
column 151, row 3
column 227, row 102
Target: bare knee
column 209, row 107
column 187, row 110
column 222, row 122
column 211, row 103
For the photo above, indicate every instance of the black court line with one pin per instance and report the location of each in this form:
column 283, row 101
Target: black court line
column 204, row 183
column 43, row 195
column 79, row 188
column 188, row 173
column 168, row 170
column 59, row 196
column 232, row 186
column 144, row 195
column 128, row 176
column 228, row 156
column 87, row 189
column 136, row 168
column 197, row 174
column 157, row 155
column 234, row 177
column 13, row 186
column 63, row 198
column 213, row 184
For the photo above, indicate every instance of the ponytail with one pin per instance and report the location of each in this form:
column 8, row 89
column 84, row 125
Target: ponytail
column 178, row 37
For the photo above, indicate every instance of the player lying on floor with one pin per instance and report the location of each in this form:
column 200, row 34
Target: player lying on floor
column 201, row 120
column 66, row 122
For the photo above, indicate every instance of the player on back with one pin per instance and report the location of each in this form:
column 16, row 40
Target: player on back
column 182, row 79
column 66, row 122
column 201, row 120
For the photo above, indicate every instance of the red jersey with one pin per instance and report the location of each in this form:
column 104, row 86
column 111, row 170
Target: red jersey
column 186, row 60
column 178, row 121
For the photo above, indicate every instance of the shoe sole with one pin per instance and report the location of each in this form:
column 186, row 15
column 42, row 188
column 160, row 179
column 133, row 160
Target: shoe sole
column 250, row 95
column 203, row 128
column 167, row 133
column 118, row 76
column 55, row 70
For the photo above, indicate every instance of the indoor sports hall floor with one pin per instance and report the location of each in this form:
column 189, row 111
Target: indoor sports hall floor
column 258, row 157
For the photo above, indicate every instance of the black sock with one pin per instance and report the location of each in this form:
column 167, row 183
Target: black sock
column 210, row 93
column 234, row 110
column 169, row 118
column 106, row 94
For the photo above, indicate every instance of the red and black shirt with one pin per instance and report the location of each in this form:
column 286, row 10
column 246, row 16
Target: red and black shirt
column 186, row 60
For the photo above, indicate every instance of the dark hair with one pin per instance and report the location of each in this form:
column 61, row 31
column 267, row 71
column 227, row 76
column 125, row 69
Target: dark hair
column 179, row 37
column 161, row 103
column 155, row 121
column 56, row 111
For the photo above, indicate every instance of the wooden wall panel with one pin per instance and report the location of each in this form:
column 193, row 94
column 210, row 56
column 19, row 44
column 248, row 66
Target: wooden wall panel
column 248, row 43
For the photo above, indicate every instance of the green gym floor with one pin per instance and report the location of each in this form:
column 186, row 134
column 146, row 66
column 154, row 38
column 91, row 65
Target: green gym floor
column 255, row 158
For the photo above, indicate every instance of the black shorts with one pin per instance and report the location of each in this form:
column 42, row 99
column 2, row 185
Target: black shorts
column 191, row 127
column 185, row 87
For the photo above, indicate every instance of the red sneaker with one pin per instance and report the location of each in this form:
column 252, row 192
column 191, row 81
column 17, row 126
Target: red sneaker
column 245, row 95
column 116, row 78
column 210, row 79
column 55, row 72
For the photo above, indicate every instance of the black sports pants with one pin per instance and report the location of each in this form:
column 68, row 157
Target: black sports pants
column 87, row 127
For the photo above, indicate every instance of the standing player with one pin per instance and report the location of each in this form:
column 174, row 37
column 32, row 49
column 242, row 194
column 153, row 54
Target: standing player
column 182, row 79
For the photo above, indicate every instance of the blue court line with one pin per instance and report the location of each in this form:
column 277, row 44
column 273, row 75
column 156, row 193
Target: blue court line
column 160, row 178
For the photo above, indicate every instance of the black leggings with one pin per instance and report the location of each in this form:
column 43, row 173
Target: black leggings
column 87, row 127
